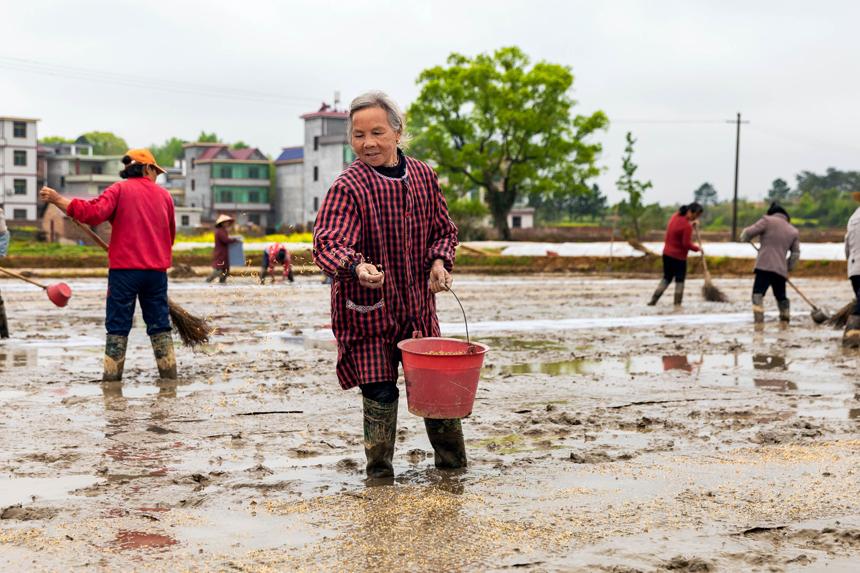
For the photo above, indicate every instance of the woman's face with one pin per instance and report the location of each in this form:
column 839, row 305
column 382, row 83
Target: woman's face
column 693, row 216
column 373, row 140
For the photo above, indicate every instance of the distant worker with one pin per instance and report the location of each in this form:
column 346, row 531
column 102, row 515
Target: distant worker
column 779, row 251
column 679, row 241
column 276, row 254
column 851, row 337
column 221, row 252
column 143, row 228
column 4, row 250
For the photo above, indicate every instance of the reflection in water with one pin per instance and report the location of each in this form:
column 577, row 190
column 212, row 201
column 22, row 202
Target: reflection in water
column 575, row 366
column 24, row 358
column 677, row 362
column 769, row 362
column 126, row 539
column 777, row 385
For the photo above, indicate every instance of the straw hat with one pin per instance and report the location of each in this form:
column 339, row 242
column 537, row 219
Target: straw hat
column 223, row 219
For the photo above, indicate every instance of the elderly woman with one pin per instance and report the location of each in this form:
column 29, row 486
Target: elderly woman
column 851, row 336
column 384, row 235
column 778, row 253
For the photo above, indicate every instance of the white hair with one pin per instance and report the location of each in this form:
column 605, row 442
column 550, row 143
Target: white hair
column 382, row 100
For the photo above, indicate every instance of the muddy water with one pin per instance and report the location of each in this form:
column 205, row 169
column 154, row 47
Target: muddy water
column 607, row 435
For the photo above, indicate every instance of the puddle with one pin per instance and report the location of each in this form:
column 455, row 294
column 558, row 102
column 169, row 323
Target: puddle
column 821, row 396
column 25, row 489
column 553, row 325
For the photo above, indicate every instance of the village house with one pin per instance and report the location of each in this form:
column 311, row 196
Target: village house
column 236, row 182
column 18, row 168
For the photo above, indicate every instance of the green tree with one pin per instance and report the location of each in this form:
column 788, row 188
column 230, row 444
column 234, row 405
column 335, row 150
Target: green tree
column 779, row 191
column 106, row 143
column 208, row 137
column 239, row 145
column 632, row 208
column 55, row 139
column 705, row 195
column 498, row 123
column 168, row 152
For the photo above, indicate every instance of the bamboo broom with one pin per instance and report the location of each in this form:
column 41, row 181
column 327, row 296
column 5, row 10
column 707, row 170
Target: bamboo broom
column 840, row 319
column 709, row 289
column 193, row 330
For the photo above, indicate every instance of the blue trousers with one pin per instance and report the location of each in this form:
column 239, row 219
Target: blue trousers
column 126, row 286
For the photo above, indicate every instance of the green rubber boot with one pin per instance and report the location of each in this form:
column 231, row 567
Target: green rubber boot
column 679, row 293
column 851, row 336
column 784, row 310
column 162, row 346
column 4, row 326
column 115, row 346
column 758, row 308
column 661, row 288
column 446, row 437
column 380, row 431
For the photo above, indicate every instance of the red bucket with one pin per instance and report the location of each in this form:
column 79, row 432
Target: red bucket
column 441, row 375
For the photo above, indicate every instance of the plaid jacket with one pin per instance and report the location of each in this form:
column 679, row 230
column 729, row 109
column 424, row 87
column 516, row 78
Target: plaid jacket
column 401, row 225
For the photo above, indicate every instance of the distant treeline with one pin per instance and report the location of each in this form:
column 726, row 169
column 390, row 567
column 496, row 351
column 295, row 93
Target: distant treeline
column 816, row 200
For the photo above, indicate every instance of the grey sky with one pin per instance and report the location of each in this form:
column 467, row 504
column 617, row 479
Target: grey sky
column 785, row 65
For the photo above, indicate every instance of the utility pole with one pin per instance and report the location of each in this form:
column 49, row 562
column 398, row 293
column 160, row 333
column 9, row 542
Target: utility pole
column 738, row 123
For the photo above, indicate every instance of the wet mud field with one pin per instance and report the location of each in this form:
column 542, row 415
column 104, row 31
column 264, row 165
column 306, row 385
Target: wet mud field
column 606, row 436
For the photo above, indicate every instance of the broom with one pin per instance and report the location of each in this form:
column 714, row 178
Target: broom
column 709, row 289
column 193, row 330
column 840, row 319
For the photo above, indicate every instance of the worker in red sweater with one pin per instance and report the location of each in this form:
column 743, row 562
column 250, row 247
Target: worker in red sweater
column 143, row 229
column 679, row 235
column 274, row 254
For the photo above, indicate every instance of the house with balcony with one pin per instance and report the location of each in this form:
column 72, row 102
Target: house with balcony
column 229, row 181
column 18, row 168
column 303, row 174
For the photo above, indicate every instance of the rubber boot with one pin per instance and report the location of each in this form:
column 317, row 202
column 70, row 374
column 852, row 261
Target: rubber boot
column 679, row 293
column 446, row 437
column 4, row 326
column 758, row 308
column 661, row 288
column 784, row 310
column 380, row 430
column 115, row 346
column 213, row 275
column 851, row 337
column 162, row 346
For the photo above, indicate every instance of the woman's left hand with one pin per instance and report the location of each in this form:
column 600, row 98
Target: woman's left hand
column 440, row 278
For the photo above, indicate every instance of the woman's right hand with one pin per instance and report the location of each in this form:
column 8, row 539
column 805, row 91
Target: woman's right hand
column 369, row 276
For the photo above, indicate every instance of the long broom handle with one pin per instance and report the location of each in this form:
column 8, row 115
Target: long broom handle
column 92, row 234
column 791, row 284
column 22, row 277
column 704, row 261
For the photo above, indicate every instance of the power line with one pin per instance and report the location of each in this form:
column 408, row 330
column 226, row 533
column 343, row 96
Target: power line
column 666, row 121
column 151, row 83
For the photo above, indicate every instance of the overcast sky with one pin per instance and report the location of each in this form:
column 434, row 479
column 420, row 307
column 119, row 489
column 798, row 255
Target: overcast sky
column 670, row 71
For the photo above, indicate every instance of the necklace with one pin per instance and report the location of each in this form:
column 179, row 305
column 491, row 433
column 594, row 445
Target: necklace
column 395, row 163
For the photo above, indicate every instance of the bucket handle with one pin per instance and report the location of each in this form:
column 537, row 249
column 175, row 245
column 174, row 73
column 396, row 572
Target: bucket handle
column 465, row 320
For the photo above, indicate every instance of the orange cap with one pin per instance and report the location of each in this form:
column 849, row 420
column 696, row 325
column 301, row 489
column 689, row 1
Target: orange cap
column 144, row 156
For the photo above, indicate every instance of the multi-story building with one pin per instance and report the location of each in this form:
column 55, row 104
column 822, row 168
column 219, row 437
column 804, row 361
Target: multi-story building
column 18, row 167
column 304, row 174
column 73, row 170
column 231, row 181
